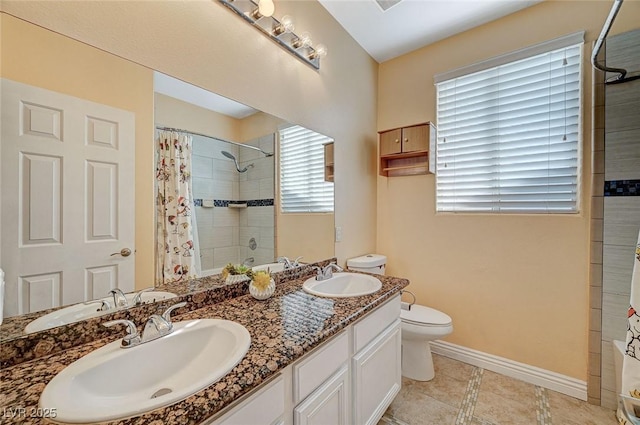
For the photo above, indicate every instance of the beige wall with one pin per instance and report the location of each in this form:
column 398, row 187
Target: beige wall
column 218, row 51
column 171, row 112
column 41, row 58
column 515, row 285
column 306, row 235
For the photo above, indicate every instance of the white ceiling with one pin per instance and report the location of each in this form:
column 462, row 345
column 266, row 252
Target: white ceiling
column 411, row 24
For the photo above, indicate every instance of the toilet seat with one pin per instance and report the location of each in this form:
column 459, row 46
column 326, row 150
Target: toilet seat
column 420, row 315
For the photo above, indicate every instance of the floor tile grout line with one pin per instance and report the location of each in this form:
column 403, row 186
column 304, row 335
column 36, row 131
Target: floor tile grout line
column 543, row 409
column 465, row 414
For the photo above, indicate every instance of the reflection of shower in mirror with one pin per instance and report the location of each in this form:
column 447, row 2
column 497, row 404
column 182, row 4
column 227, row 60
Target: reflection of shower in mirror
column 230, row 156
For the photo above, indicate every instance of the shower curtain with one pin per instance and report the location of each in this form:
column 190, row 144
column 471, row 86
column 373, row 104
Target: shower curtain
column 629, row 410
column 176, row 259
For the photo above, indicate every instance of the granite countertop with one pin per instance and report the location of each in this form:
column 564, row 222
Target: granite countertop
column 282, row 328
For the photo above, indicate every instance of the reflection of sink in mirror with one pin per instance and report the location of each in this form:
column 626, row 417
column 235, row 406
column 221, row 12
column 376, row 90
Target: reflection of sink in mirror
column 342, row 285
column 113, row 383
column 272, row 267
column 83, row 311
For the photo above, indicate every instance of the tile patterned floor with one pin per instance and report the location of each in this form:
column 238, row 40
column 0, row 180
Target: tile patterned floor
column 462, row 394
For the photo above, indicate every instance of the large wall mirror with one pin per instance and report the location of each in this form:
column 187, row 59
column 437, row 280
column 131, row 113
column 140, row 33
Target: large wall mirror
column 119, row 104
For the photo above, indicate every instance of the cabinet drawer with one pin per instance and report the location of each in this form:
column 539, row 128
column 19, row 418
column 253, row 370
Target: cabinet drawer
column 319, row 366
column 375, row 322
column 266, row 407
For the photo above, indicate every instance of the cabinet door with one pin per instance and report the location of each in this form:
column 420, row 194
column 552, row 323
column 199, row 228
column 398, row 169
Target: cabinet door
column 390, row 142
column 328, row 405
column 377, row 376
column 415, row 138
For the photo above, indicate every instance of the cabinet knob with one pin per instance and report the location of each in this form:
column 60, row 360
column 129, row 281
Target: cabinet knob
column 397, row 140
column 406, row 140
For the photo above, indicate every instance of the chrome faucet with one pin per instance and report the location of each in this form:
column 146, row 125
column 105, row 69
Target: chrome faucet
column 104, row 305
column 119, row 299
column 132, row 338
column 156, row 327
column 248, row 261
column 288, row 264
column 327, row 271
column 137, row 300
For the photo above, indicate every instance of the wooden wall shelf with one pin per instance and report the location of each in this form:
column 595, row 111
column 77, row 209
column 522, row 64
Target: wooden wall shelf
column 408, row 151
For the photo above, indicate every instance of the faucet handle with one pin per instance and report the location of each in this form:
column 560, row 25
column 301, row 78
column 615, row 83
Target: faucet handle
column 296, row 261
column 132, row 338
column 137, row 300
column 167, row 313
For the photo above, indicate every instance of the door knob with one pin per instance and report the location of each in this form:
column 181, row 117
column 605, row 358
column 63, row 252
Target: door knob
column 125, row 252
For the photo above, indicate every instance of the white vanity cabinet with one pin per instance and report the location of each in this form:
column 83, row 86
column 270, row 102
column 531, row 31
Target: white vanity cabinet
column 348, row 380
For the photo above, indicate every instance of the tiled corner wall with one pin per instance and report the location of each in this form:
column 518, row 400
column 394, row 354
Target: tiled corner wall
column 224, row 232
column 258, row 182
column 621, row 201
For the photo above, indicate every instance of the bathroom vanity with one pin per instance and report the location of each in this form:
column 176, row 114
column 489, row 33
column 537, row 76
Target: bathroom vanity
column 311, row 360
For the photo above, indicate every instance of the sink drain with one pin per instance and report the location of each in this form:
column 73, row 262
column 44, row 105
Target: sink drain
column 161, row 392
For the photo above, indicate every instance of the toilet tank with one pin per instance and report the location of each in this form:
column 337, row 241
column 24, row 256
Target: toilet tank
column 369, row 263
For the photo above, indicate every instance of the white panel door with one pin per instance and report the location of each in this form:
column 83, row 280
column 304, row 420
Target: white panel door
column 67, row 198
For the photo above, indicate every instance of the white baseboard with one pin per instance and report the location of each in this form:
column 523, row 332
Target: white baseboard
column 531, row 374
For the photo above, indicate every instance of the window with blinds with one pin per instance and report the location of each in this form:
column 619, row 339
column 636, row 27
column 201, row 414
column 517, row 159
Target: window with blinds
column 509, row 135
column 302, row 185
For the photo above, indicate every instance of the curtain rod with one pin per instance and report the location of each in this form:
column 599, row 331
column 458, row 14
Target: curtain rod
column 178, row 130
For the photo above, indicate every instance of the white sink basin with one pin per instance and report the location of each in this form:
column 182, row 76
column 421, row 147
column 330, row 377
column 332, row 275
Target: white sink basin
column 342, row 285
column 115, row 383
column 272, row 267
column 77, row 312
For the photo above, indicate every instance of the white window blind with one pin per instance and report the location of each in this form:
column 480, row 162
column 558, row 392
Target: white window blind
column 302, row 185
column 509, row 136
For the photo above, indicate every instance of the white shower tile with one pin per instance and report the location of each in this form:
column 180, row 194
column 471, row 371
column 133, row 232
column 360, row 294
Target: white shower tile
column 244, row 217
column 267, row 143
column 236, row 235
column 225, row 217
column 261, row 216
column 614, row 316
column 621, row 117
column 206, row 259
column 246, row 233
column 205, row 236
column 223, row 189
column 617, row 269
column 622, row 160
column 621, row 220
column 202, row 188
column 250, row 190
column 608, row 399
column 204, row 216
column 607, row 372
column 202, row 167
column 222, row 237
column 266, row 188
column 202, row 146
column 224, row 256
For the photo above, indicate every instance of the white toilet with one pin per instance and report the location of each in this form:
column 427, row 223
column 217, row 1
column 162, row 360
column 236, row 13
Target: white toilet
column 420, row 325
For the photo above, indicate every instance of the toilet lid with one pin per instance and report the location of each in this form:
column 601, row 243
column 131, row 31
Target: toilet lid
column 421, row 315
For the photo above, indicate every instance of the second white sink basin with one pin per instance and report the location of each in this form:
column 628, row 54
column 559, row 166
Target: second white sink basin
column 115, row 383
column 343, row 285
column 81, row 311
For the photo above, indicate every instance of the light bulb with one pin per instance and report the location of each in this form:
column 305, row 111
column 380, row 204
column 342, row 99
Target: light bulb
column 320, row 51
column 285, row 26
column 266, row 7
column 303, row 40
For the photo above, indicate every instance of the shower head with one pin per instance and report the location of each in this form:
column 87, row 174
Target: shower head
column 230, row 156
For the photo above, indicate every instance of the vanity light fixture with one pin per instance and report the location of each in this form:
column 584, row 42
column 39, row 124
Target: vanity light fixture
column 259, row 14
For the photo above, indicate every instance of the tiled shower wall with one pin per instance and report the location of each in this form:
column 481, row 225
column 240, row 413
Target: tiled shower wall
column 621, row 221
column 224, row 232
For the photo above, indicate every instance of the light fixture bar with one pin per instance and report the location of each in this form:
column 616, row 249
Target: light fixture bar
column 287, row 40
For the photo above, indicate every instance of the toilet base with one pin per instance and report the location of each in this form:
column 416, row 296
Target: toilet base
column 417, row 362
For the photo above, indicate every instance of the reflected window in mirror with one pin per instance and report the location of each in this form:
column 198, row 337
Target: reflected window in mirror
column 303, row 188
